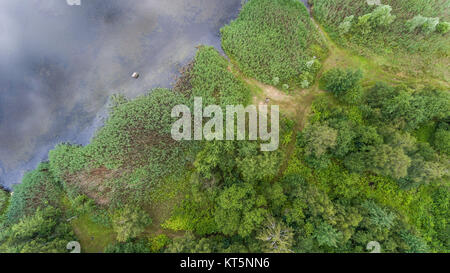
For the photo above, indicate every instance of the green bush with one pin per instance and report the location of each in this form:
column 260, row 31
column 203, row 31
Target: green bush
column 344, row 84
column 443, row 27
column 442, row 141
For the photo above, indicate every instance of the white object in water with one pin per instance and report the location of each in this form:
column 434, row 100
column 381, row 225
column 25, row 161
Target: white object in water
column 135, row 75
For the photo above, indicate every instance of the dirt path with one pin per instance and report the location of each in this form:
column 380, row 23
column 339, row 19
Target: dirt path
column 297, row 104
column 303, row 101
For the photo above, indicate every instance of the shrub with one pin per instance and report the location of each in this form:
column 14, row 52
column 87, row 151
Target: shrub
column 425, row 24
column 443, row 27
column 339, row 81
column 346, row 25
column 442, row 141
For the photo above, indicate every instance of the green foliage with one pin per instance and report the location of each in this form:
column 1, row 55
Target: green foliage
column 129, row 222
column 440, row 215
column 389, row 161
column 66, row 158
column 326, row 235
column 319, row 139
column 275, row 81
column 442, row 140
column 239, row 210
column 135, row 140
column 38, row 189
column 131, row 246
column 129, row 123
column 270, row 39
column 4, row 198
column 258, row 167
column 309, row 72
column 415, row 244
column 215, row 155
column 241, row 157
column 443, row 27
column 277, row 237
column 344, row 84
column 190, row 244
column 212, row 80
column 371, row 165
column 406, row 109
column 381, row 218
column 425, row 24
column 84, row 206
column 346, row 25
column 195, row 213
column 388, row 31
column 425, row 132
column 46, row 231
column 381, row 17
column 158, row 243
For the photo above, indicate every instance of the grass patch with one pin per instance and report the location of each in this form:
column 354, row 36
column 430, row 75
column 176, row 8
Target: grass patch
column 93, row 237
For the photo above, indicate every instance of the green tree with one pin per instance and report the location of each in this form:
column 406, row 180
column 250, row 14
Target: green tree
column 381, row 16
column 190, row 244
column 46, row 231
column 346, row 25
column 319, row 138
column 379, row 217
column 415, row 243
column 129, row 221
column 326, row 235
column 277, row 237
column 238, row 210
column 389, row 161
column 258, row 167
column 442, row 141
column 344, row 84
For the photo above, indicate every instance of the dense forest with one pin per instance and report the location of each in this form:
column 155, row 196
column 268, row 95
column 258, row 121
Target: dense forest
column 364, row 152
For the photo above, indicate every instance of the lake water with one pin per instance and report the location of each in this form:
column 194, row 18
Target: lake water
column 60, row 63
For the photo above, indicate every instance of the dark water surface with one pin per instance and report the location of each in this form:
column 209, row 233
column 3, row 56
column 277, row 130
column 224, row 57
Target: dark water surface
column 60, row 63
